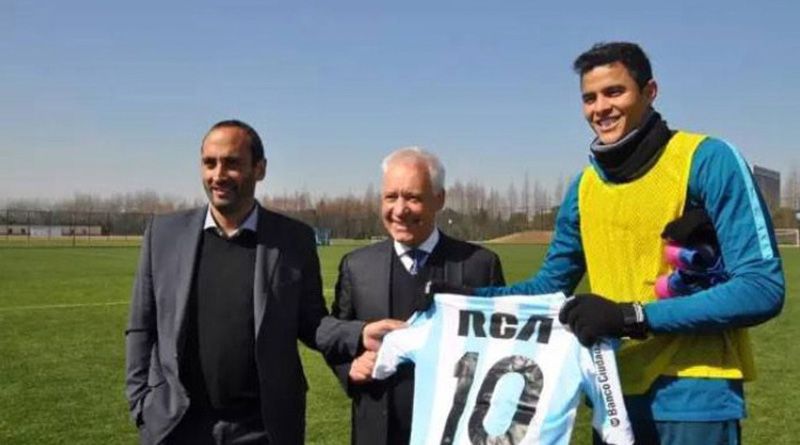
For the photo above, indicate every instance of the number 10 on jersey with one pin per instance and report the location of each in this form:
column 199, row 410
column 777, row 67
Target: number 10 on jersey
column 526, row 404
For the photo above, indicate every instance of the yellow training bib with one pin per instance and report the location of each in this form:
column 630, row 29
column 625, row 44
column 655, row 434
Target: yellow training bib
column 621, row 227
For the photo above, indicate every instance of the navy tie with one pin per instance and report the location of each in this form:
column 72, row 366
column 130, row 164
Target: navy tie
column 418, row 257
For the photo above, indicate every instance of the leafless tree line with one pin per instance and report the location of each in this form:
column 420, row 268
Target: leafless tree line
column 472, row 210
column 86, row 215
column 146, row 201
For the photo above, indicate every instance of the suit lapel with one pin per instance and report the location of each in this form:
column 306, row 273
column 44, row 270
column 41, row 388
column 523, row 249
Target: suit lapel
column 267, row 255
column 188, row 241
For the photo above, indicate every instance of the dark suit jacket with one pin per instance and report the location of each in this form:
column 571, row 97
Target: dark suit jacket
column 287, row 304
column 362, row 293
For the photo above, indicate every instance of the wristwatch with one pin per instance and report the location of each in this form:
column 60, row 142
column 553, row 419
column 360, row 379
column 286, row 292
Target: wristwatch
column 633, row 320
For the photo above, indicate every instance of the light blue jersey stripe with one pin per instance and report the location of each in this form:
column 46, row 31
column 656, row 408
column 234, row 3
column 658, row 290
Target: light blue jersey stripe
column 755, row 206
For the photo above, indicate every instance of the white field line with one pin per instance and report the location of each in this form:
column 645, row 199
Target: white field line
column 61, row 306
column 72, row 305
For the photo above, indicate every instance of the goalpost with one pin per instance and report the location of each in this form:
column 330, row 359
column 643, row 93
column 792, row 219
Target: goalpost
column 788, row 237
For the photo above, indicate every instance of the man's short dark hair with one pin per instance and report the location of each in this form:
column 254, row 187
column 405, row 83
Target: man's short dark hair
column 626, row 53
column 256, row 146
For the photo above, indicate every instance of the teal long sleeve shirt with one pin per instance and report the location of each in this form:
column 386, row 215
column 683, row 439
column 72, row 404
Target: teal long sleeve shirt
column 721, row 183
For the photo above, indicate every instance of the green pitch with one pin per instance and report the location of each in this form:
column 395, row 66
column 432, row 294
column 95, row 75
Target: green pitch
column 63, row 313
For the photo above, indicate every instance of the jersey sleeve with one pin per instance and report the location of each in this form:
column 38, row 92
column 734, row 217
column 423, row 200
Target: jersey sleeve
column 399, row 346
column 601, row 385
column 564, row 264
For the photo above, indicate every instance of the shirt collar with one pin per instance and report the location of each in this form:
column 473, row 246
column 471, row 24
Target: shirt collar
column 600, row 147
column 250, row 223
column 428, row 245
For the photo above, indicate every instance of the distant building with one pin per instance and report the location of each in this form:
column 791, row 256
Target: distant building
column 45, row 231
column 769, row 181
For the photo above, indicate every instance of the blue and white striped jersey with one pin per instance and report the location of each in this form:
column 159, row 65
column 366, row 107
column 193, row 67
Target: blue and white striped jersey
column 502, row 370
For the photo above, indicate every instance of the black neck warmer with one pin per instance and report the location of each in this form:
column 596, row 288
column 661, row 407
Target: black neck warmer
column 636, row 153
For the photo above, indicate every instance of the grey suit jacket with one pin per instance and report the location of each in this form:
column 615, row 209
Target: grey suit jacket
column 287, row 304
column 362, row 293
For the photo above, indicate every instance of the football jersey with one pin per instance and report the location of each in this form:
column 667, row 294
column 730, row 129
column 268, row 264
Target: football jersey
column 502, row 370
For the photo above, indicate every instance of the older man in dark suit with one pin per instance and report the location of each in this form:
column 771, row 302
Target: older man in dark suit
column 387, row 279
column 221, row 296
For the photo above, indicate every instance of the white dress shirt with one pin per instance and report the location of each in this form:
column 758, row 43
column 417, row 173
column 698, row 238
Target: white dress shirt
column 428, row 245
column 250, row 223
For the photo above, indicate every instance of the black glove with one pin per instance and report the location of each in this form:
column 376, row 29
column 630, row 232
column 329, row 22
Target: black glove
column 692, row 228
column 441, row 287
column 591, row 316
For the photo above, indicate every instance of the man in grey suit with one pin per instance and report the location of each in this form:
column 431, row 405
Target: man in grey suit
column 387, row 279
column 221, row 296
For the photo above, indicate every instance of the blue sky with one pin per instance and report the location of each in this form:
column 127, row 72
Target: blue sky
column 112, row 97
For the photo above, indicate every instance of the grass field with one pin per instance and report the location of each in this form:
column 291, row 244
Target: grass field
column 63, row 311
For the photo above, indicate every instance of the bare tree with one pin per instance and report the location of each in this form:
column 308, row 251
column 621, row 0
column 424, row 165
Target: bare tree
column 541, row 197
column 526, row 196
column 791, row 188
column 494, row 204
column 558, row 193
column 512, row 198
column 456, row 197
